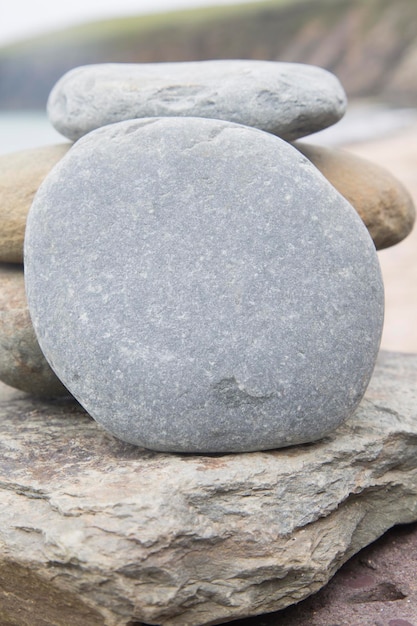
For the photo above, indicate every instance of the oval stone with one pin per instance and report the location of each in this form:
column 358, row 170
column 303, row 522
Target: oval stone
column 22, row 364
column 21, row 173
column 288, row 99
column 382, row 201
column 200, row 287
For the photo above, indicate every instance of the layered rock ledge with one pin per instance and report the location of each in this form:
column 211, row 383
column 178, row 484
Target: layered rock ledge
column 94, row 531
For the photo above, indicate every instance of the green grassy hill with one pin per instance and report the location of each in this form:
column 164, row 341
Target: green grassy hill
column 370, row 44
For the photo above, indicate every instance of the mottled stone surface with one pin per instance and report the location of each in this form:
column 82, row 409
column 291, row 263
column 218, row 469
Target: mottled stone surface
column 22, row 364
column 95, row 531
column 21, row 173
column 289, row 99
column 199, row 287
column 376, row 587
column 382, row 201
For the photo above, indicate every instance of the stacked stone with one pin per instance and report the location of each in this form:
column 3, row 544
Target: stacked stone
column 22, row 364
column 193, row 279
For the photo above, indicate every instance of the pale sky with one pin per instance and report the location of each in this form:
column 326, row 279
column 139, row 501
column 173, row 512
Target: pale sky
column 23, row 18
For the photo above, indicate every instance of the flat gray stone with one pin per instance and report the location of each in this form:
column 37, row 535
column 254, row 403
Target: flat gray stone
column 288, row 99
column 99, row 533
column 199, row 286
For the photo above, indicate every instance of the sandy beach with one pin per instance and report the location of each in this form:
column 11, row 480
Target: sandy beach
column 398, row 154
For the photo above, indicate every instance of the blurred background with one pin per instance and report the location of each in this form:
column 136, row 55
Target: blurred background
column 371, row 45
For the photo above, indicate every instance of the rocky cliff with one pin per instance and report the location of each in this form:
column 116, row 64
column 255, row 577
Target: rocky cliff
column 371, row 45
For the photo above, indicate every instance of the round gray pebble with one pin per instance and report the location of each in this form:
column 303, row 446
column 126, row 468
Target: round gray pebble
column 290, row 100
column 198, row 286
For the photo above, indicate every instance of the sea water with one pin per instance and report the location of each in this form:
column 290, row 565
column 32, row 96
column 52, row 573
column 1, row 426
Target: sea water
column 26, row 129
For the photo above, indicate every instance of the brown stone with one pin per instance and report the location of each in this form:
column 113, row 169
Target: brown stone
column 22, row 364
column 95, row 531
column 382, row 202
column 21, row 173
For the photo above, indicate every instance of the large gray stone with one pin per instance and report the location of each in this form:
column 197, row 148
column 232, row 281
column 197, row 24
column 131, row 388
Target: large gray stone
column 95, row 532
column 288, row 99
column 199, row 286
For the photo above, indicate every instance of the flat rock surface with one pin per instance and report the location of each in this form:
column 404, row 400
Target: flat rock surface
column 21, row 173
column 97, row 532
column 382, row 201
column 289, row 99
column 198, row 286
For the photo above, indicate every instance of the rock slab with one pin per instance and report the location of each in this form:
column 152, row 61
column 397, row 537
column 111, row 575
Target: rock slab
column 376, row 587
column 381, row 200
column 98, row 532
column 289, row 99
column 21, row 173
column 198, row 286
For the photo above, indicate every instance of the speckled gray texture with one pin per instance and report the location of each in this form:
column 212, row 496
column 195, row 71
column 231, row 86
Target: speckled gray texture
column 290, row 100
column 200, row 287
